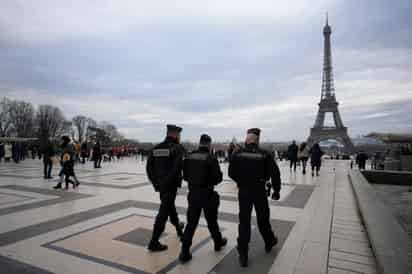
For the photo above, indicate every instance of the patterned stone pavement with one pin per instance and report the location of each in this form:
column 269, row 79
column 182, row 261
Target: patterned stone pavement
column 104, row 225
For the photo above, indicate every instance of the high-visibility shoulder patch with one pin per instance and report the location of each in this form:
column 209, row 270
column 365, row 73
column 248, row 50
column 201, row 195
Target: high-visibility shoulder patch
column 161, row 152
column 251, row 156
column 198, row 156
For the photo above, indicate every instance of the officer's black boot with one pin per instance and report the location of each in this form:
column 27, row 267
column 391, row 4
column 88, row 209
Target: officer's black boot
column 58, row 186
column 156, row 246
column 271, row 244
column 185, row 255
column 220, row 244
column 243, row 257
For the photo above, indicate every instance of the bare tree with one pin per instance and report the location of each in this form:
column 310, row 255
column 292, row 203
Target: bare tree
column 80, row 123
column 111, row 131
column 68, row 129
column 5, row 121
column 22, row 118
column 50, row 122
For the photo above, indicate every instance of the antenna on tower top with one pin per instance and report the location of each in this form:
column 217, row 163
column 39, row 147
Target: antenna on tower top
column 327, row 18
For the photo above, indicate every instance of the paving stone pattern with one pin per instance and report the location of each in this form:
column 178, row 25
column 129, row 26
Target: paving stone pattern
column 350, row 251
column 104, row 225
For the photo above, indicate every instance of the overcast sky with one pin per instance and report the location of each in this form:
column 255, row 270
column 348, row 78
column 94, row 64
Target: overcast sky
column 217, row 66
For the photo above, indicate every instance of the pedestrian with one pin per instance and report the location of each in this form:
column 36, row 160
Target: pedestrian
column 164, row 169
column 110, row 154
column 67, row 164
column 251, row 168
column 23, row 151
column 77, row 149
column 230, row 150
column 15, row 152
column 84, row 152
column 8, row 152
column 303, row 156
column 48, row 154
column 1, row 151
column 97, row 155
column 68, row 167
column 316, row 154
column 361, row 160
column 293, row 155
column 33, row 152
column 202, row 172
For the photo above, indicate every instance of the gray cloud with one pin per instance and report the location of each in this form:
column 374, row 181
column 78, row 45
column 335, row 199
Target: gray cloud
column 210, row 68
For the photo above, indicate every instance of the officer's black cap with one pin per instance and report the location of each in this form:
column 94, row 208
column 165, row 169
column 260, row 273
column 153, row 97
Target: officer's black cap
column 255, row 131
column 173, row 128
column 65, row 139
column 205, row 139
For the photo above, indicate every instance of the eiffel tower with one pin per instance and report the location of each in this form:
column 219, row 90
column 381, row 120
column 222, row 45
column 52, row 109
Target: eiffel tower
column 328, row 104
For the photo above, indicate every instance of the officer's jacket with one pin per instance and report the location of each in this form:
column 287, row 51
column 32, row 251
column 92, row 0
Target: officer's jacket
column 164, row 165
column 253, row 167
column 201, row 170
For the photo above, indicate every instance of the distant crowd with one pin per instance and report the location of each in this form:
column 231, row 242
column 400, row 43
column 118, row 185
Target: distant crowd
column 297, row 155
column 16, row 151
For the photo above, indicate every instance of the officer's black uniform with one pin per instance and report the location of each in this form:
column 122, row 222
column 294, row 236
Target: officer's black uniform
column 202, row 172
column 251, row 167
column 164, row 169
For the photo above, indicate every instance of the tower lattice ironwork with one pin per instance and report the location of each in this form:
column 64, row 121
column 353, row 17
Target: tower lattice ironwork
column 328, row 103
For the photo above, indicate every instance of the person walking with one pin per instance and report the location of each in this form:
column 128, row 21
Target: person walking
column 303, row 156
column 316, row 154
column 361, row 160
column 68, row 170
column 84, row 152
column 97, row 155
column 48, row 154
column 8, row 152
column 77, row 150
column 251, row 168
column 1, row 151
column 67, row 163
column 33, row 151
column 164, row 170
column 202, row 172
column 293, row 155
column 15, row 151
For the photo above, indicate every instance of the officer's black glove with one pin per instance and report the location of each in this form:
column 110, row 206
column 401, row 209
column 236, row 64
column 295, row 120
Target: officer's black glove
column 268, row 188
column 275, row 195
column 156, row 187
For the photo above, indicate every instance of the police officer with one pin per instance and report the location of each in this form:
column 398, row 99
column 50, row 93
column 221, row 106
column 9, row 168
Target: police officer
column 164, row 169
column 251, row 167
column 202, row 172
